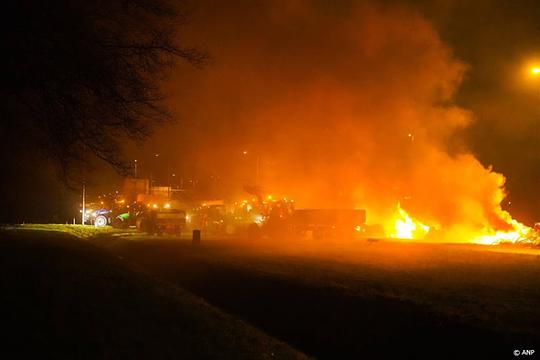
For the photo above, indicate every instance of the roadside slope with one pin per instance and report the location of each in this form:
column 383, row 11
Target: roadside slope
column 65, row 298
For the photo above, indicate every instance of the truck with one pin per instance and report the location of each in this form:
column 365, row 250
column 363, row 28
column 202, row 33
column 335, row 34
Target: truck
column 277, row 217
column 284, row 221
column 164, row 220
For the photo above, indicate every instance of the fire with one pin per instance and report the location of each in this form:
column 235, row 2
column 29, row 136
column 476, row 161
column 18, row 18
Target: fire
column 405, row 227
column 518, row 234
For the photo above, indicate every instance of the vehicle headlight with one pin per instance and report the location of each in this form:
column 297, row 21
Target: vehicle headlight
column 259, row 219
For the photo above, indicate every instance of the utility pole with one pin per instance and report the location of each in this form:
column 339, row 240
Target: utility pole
column 258, row 174
column 83, row 218
column 152, row 172
column 168, row 179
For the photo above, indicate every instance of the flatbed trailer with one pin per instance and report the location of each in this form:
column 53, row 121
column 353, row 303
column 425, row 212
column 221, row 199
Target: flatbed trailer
column 323, row 223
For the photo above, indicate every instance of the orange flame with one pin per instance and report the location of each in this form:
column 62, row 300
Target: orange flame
column 518, row 234
column 405, row 227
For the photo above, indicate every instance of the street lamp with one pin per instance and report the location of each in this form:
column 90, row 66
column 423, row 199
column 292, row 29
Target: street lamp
column 83, row 220
column 152, row 170
column 135, row 165
column 258, row 173
column 534, row 72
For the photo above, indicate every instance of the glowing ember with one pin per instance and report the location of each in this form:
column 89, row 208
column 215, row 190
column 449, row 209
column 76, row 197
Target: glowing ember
column 406, row 227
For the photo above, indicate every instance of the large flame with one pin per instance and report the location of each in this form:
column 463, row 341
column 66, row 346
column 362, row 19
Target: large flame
column 405, row 227
column 519, row 233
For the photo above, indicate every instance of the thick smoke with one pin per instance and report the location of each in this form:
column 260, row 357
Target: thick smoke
column 344, row 106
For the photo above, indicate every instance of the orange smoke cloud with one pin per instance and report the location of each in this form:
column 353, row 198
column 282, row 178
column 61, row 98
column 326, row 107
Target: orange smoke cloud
column 345, row 105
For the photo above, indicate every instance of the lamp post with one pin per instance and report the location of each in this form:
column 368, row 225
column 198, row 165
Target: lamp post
column 535, row 71
column 258, row 167
column 152, row 170
column 83, row 219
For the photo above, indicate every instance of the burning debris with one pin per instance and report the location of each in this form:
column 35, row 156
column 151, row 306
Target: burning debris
column 519, row 234
column 405, row 227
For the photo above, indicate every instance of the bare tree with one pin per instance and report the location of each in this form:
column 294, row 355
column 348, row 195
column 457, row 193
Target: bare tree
column 81, row 76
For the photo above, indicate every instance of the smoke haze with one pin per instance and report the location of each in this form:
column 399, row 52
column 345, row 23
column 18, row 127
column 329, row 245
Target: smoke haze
column 348, row 105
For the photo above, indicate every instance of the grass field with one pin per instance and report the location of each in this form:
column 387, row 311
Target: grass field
column 120, row 294
column 63, row 298
column 382, row 300
column 80, row 231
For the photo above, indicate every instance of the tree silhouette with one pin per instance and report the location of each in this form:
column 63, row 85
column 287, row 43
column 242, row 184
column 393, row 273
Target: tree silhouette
column 80, row 76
